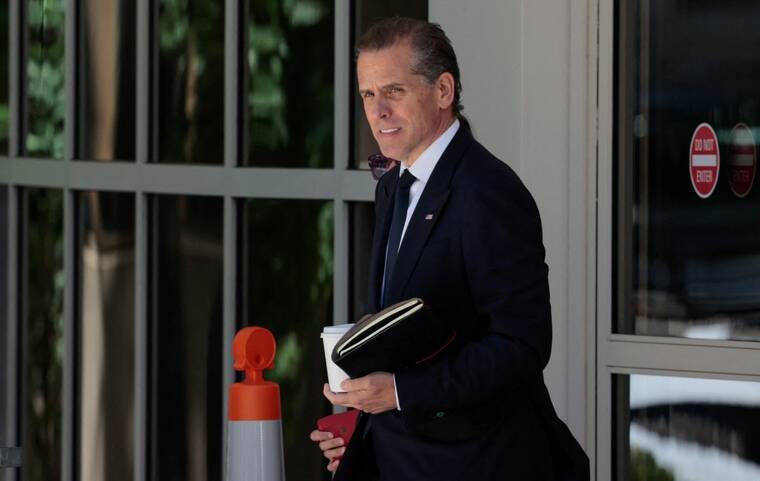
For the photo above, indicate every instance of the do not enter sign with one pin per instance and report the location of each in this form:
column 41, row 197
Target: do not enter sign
column 742, row 160
column 704, row 160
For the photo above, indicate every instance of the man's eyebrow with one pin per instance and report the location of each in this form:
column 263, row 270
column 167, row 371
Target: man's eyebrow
column 383, row 88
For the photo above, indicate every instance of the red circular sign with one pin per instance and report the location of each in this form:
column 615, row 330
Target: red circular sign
column 704, row 160
column 742, row 160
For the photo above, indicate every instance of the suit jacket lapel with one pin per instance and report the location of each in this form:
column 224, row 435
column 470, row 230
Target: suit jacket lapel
column 426, row 213
column 385, row 196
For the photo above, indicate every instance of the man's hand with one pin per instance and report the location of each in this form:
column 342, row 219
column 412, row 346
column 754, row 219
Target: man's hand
column 374, row 393
column 331, row 447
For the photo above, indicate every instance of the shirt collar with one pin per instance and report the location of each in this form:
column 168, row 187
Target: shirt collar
column 423, row 167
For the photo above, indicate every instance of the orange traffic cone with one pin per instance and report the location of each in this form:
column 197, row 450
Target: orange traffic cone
column 254, row 436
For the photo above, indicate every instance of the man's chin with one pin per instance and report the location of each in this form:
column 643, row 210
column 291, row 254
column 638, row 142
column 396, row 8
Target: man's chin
column 394, row 154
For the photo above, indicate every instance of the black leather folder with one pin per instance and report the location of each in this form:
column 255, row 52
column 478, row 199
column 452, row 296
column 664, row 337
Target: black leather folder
column 394, row 339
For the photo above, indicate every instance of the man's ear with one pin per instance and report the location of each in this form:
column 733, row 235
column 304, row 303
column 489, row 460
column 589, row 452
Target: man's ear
column 445, row 90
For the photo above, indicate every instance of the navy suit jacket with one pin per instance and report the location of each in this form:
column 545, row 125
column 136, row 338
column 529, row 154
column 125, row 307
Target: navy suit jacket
column 473, row 252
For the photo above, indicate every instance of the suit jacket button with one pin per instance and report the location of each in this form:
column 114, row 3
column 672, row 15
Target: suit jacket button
column 440, row 414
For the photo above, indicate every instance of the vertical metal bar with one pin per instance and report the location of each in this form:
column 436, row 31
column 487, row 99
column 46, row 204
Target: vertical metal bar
column 70, row 79
column 69, row 410
column 342, row 83
column 233, row 22
column 144, row 34
column 16, row 74
column 142, row 78
column 242, row 73
column 12, row 281
column 340, row 160
column 141, row 340
column 340, row 261
column 626, row 84
column 15, row 93
column 641, row 92
column 604, row 57
column 232, row 104
column 69, row 440
column 229, row 322
column 592, row 154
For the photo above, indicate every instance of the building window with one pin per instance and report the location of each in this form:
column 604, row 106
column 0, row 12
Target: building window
column 105, row 297
column 289, row 89
column 286, row 285
column 190, row 87
column 42, row 334
column 106, row 107
column 185, row 323
column 688, row 259
column 45, row 79
column 136, row 264
column 676, row 428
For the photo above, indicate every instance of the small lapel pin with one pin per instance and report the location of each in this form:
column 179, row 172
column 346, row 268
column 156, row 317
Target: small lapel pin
column 429, row 217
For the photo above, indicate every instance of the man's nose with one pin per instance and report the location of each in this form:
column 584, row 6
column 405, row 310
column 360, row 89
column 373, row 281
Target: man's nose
column 381, row 110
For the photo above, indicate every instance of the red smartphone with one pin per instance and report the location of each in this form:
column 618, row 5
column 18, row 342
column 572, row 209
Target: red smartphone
column 341, row 425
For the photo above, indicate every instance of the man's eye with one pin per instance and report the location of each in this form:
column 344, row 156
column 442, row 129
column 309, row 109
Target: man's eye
column 395, row 90
column 367, row 95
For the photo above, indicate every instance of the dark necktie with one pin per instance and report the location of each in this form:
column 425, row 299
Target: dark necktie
column 400, row 206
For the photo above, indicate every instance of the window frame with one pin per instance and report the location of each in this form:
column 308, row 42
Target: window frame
column 625, row 353
column 228, row 181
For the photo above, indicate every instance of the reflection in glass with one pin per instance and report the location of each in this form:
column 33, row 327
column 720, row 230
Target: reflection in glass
column 45, row 69
column 106, row 331
column 290, row 83
column 686, row 266
column 190, row 82
column 365, row 13
column 107, row 92
column 42, row 334
column 680, row 429
column 362, row 225
column 4, row 114
column 185, row 322
column 286, row 281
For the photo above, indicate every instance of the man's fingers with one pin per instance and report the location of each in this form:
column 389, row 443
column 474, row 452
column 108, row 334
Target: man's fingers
column 331, row 444
column 318, row 435
column 331, row 454
column 340, row 398
column 358, row 384
column 333, row 465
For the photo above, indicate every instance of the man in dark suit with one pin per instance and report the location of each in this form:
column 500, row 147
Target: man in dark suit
column 457, row 228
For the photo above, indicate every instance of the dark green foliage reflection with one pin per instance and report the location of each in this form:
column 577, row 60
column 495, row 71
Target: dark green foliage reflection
column 290, row 89
column 42, row 331
column 645, row 468
column 185, row 319
column 287, row 283
column 191, row 81
column 45, row 79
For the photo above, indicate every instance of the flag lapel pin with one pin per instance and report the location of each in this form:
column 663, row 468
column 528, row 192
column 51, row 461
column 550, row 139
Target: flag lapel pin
column 429, row 217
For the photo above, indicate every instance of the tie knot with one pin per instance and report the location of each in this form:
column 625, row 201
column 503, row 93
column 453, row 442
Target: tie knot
column 406, row 181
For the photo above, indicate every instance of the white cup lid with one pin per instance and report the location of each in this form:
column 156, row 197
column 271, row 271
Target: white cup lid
column 339, row 329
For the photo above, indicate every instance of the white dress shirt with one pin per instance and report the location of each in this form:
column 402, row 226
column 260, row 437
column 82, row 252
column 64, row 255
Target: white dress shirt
column 421, row 169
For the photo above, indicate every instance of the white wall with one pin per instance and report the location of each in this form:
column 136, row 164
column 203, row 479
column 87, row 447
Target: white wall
column 524, row 79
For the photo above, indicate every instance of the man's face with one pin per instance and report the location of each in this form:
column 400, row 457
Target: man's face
column 404, row 111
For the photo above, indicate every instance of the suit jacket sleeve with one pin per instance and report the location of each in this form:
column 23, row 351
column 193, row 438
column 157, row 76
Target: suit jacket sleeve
column 507, row 278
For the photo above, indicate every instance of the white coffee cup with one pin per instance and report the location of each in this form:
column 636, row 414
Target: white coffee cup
column 330, row 337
